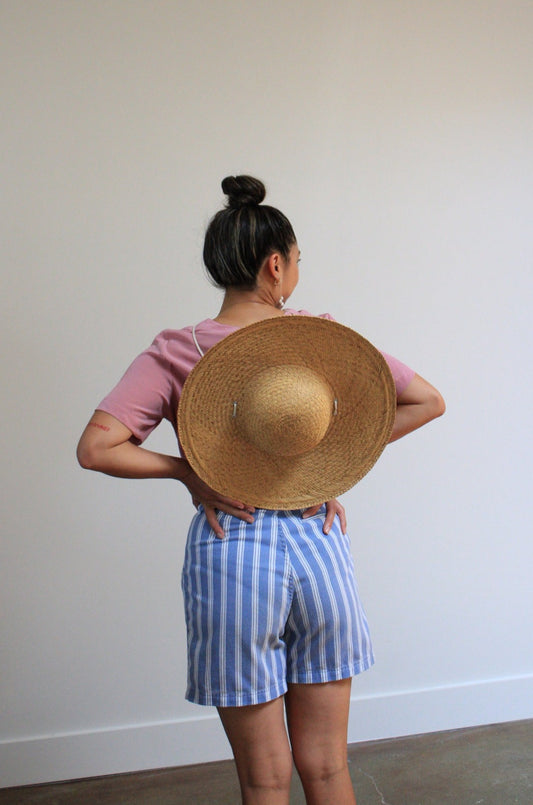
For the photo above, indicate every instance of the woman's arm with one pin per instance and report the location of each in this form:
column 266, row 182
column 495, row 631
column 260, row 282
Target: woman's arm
column 105, row 446
column 418, row 404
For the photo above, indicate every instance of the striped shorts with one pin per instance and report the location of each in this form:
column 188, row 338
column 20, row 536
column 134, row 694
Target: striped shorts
column 274, row 602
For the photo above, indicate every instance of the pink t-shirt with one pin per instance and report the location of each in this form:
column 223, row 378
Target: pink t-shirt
column 150, row 389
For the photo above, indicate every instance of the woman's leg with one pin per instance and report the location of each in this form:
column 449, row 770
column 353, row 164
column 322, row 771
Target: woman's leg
column 317, row 717
column 260, row 745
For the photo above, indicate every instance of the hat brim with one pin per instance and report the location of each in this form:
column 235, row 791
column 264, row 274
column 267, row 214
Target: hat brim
column 366, row 403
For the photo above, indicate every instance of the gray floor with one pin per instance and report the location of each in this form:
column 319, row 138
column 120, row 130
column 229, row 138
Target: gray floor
column 490, row 765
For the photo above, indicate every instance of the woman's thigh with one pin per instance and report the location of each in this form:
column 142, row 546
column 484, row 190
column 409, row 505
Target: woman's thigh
column 260, row 745
column 317, row 718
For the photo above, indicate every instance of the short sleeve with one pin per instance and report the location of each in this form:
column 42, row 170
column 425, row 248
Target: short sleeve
column 142, row 398
column 401, row 373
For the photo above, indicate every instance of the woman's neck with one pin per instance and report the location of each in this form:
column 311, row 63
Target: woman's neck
column 240, row 308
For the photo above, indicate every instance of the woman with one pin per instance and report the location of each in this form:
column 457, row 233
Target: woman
column 251, row 252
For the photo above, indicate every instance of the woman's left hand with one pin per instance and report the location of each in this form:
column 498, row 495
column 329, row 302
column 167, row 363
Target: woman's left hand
column 333, row 507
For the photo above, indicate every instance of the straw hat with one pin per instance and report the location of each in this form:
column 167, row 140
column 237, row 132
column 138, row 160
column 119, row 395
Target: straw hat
column 287, row 413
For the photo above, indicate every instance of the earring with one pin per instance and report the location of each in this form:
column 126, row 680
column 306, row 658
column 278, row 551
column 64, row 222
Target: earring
column 281, row 300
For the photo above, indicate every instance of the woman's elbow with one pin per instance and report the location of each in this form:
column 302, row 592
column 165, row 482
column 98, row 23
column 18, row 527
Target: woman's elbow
column 436, row 406
column 83, row 456
column 86, row 455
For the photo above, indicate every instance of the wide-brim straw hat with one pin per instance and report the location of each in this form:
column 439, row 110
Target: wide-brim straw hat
column 287, row 413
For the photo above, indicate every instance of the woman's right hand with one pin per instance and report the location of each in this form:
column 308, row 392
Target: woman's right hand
column 212, row 501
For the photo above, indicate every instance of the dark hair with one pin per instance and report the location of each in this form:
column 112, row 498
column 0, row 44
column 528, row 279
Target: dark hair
column 242, row 235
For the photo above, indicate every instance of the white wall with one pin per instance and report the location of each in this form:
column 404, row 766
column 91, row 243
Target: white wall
column 397, row 137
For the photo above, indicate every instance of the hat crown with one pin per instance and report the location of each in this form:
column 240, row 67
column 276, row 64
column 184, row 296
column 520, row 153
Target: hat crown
column 285, row 410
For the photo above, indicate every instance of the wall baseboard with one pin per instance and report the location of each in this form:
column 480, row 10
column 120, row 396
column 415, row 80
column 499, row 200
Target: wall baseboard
column 449, row 707
column 201, row 739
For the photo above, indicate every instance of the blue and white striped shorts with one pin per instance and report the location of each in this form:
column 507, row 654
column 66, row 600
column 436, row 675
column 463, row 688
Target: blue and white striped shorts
column 272, row 603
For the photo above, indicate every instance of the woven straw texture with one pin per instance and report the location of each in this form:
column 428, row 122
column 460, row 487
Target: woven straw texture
column 306, row 364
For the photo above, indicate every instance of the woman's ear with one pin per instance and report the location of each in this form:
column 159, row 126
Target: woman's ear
column 273, row 266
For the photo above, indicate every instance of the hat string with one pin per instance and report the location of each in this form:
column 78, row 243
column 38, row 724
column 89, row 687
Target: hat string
column 335, row 408
column 200, row 350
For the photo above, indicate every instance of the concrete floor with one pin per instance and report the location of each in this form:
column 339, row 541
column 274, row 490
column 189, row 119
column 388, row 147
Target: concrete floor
column 490, row 765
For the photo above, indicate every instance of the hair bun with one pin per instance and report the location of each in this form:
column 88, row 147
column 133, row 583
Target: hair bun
column 243, row 190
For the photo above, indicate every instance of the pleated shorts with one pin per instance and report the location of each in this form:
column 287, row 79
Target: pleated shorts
column 274, row 602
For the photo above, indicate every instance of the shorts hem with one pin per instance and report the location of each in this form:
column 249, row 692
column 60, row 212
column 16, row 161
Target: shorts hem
column 218, row 699
column 317, row 675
